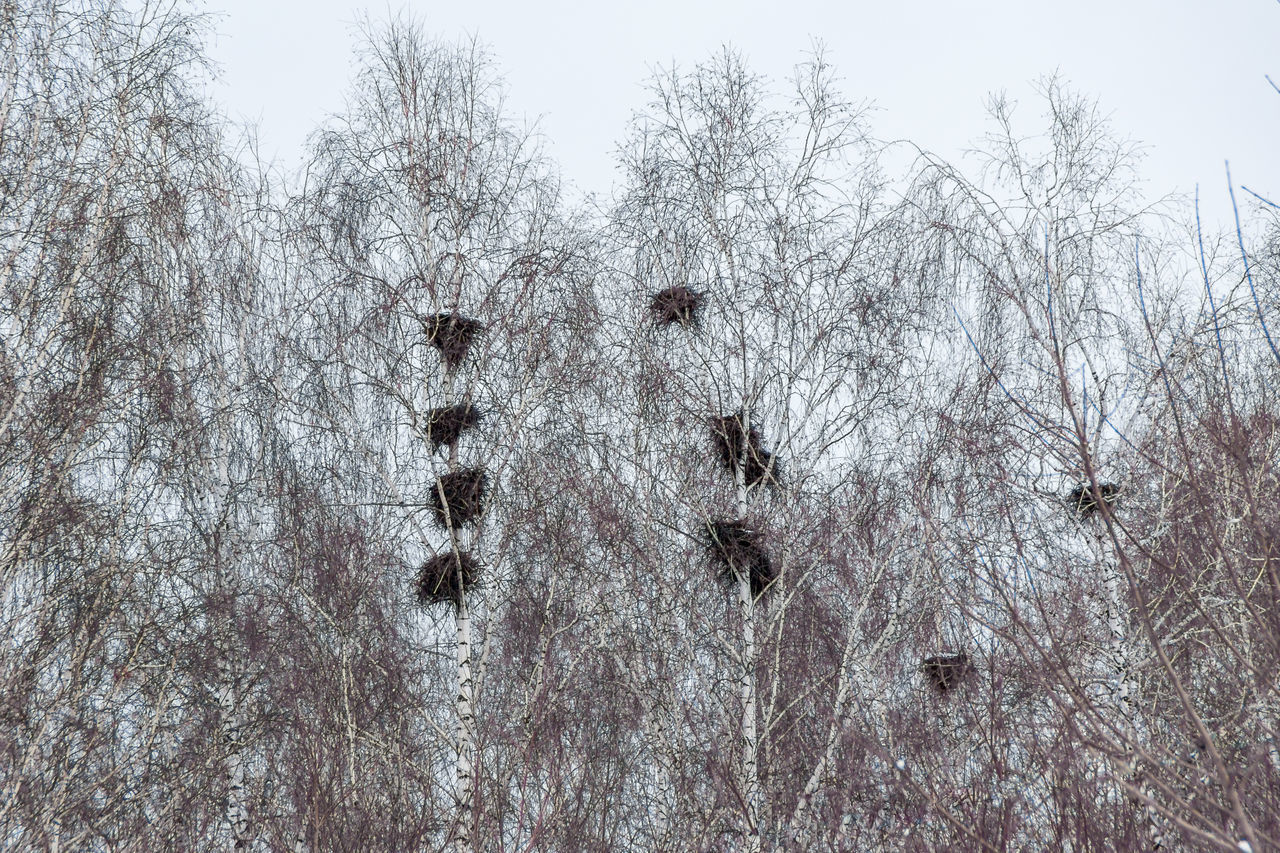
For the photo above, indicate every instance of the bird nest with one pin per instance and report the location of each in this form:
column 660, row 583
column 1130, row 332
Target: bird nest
column 676, row 305
column 446, row 425
column 458, row 498
column 737, row 547
column 1085, row 501
column 446, row 578
column 743, row 448
column 945, row 671
column 453, row 335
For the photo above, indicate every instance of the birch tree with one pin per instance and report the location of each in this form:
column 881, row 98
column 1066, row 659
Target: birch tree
column 444, row 304
column 126, row 278
column 788, row 505
column 1071, row 300
column 772, row 320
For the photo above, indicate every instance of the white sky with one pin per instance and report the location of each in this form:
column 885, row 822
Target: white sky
column 1186, row 77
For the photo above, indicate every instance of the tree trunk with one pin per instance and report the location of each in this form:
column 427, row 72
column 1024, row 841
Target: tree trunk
column 1124, row 689
column 464, row 767
column 237, row 806
column 749, row 783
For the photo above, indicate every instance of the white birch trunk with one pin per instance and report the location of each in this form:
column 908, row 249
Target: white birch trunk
column 750, row 737
column 464, row 768
column 1124, row 688
column 237, row 800
column 464, row 762
column 214, row 492
column 749, row 783
column 464, row 756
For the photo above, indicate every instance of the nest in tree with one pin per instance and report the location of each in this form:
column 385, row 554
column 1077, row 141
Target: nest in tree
column 738, row 548
column 452, row 334
column 445, row 577
column 446, row 425
column 738, row 446
column 945, row 671
column 463, row 497
column 676, row 305
column 1083, row 500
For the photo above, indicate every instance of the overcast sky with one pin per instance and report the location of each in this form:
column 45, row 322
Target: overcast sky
column 1185, row 77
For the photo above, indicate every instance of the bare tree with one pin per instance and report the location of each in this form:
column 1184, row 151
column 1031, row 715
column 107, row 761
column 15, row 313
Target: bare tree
column 783, row 505
column 1082, row 315
column 127, row 456
column 773, row 313
column 445, row 310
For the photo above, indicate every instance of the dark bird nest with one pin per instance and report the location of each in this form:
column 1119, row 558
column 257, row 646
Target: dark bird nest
column 446, row 425
column 452, row 334
column 463, row 497
column 676, row 305
column 1085, row 502
column 738, row 549
column 445, row 577
column 738, row 446
column 945, row 671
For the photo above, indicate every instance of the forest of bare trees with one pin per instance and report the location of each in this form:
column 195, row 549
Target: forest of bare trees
column 784, row 500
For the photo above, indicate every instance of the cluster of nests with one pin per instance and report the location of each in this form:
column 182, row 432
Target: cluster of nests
column 733, row 543
column 738, row 550
column 737, row 446
column 458, row 497
column 452, row 334
column 1084, row 499
column 736, row 546
column 944, row 672
column 742, row 448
